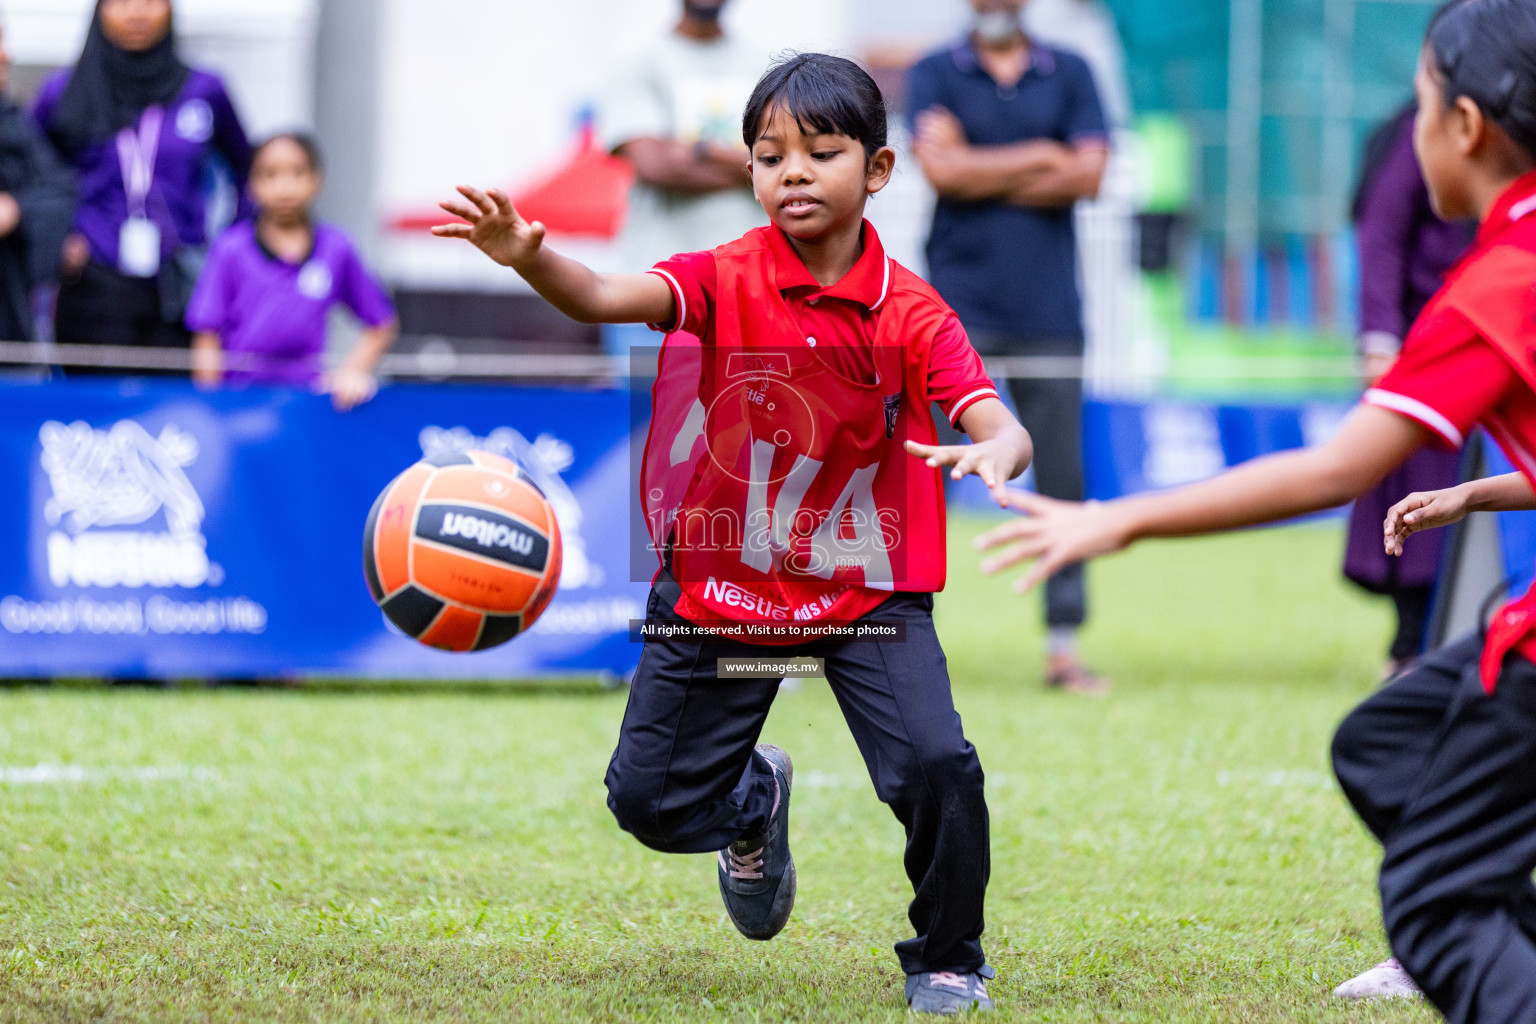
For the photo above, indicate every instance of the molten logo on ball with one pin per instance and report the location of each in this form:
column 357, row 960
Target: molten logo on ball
column 486, row 533
column 462, row 551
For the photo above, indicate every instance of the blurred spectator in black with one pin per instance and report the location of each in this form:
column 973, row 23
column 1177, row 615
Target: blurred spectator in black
column 37, row 204
column 1011, row 135
column 1405, row 251
column 673, row 110
column 140, row 128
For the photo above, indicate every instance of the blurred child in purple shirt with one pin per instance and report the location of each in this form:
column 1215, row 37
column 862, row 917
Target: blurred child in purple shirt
column 259, row 309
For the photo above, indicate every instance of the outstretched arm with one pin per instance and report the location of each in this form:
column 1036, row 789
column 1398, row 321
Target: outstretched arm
column 1424, row 510
column 1057, row 533
column 497, row 230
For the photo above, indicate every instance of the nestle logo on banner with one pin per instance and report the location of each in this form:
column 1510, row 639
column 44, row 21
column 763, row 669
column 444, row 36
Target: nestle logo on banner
column 486, row 533
column 103, row 480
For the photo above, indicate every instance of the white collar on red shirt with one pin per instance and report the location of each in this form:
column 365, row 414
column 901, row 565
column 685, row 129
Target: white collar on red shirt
column 1514, row 203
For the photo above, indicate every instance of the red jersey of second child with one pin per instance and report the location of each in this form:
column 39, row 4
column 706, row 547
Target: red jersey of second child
column 1471, row 360
column 775, row 472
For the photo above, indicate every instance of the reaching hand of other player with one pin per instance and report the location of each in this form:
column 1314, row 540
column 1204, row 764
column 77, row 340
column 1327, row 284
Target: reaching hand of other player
column 1055, row 534
column 1423, row 510
column 495, row 227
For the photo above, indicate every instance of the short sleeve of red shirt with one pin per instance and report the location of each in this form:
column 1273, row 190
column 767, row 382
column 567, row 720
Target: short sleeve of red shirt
column 1448, row 378
column 691, row 276
column 956, row 378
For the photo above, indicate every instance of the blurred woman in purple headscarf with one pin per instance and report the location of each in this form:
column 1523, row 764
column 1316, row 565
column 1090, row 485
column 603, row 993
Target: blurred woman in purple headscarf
column 140, row 127
column 1405, row 251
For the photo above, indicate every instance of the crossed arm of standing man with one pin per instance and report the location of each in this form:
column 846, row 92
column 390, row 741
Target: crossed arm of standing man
column 1035, row 172
column 689, row 169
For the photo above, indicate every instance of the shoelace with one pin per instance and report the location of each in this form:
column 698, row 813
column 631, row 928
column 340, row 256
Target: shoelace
column 746, row 866
column 1392, row 964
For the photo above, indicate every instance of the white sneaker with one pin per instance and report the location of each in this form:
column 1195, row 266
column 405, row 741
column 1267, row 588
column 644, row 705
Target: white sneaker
column 1386, row 980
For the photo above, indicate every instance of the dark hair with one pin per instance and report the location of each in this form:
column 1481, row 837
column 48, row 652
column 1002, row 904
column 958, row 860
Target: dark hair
column 824, row 94
column 303, row 140
column 1485, row 50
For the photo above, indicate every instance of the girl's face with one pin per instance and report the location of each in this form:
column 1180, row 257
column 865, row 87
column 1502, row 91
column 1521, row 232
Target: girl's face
column 283, row 181
column 811, row 185
column 1442, row 144
column 135, row 25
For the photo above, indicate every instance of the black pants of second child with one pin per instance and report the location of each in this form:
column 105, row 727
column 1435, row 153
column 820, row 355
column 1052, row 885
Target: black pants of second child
column 1445, row 777
column 685, row 778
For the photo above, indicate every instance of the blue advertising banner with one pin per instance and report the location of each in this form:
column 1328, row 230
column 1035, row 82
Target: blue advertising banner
column 161, row 531
column 1137, row 446
column 157, row 530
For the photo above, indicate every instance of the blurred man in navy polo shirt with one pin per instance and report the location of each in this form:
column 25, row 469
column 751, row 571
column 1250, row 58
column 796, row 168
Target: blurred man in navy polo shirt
column 1011, row 135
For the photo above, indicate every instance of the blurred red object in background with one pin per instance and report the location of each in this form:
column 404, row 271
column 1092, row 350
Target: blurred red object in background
column 586, row 195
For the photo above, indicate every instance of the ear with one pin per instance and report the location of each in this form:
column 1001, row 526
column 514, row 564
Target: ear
column 877, row 174
column 1468, row 126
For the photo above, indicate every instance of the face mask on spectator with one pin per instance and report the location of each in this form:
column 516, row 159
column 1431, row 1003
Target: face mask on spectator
column 995, row 28
column 704, row 11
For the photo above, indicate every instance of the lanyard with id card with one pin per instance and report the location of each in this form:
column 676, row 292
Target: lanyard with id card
column 138, row 240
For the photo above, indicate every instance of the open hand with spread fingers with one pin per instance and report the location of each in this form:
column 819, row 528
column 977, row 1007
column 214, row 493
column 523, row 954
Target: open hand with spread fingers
column 495, row 227
column 1423, row 510
column 1054, row 534
column 992, row 460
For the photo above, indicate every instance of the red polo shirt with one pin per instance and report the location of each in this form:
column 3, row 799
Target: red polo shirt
column 1467, row 361
column 774, row 466
column 838, row 320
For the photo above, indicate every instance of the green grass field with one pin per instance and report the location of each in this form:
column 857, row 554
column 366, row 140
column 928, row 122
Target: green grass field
column 1176, row 853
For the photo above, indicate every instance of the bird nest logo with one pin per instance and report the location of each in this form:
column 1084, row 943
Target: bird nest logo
column 544, row 459
column 106, row 480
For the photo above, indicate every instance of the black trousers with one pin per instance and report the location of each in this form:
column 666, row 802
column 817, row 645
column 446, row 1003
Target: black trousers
column 1413, row 605
column 105, row 307
column 1052, row 412
column 685, row 779
column 1445, row 777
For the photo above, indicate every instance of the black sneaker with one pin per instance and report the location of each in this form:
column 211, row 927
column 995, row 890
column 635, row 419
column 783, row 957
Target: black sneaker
column 949, row 992
column 757, row 874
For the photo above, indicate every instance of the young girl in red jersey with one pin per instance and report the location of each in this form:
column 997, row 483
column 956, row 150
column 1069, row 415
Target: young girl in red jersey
column 797, row 376
column 1441, row 763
